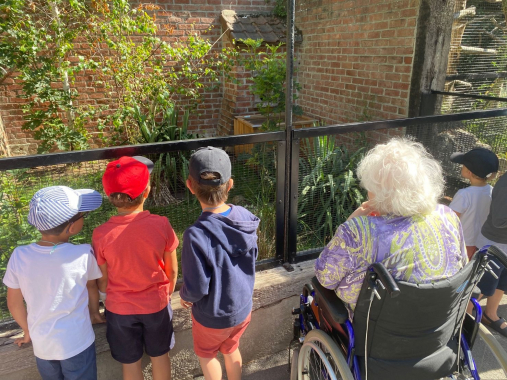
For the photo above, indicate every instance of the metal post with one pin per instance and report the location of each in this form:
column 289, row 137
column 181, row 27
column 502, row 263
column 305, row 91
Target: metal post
column 293, row 206
column 280, row 204
column 291, row 14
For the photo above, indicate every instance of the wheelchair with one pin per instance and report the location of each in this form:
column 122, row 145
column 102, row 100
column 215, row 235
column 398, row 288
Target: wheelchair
column 400, row 330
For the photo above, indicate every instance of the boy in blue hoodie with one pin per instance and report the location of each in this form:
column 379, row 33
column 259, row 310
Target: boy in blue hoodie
column 218, row 265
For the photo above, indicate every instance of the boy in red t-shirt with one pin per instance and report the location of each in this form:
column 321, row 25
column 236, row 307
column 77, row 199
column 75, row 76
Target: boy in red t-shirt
column 136, row 252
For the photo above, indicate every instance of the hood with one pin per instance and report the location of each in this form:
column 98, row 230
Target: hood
column 236, row 233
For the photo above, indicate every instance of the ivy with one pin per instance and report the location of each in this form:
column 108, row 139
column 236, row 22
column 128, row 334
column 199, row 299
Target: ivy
column 59, row 49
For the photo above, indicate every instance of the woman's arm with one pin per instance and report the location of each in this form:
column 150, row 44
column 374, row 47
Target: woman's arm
column 336, row 261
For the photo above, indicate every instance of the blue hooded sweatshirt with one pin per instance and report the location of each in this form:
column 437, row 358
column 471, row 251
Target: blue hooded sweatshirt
column 218, row 265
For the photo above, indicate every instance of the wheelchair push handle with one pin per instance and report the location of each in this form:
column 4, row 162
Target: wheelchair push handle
column 386, row 279
column 499, row 254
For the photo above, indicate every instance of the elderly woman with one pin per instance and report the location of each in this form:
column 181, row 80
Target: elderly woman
column 417, row 240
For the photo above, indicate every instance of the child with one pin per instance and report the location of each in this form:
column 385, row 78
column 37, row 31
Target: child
column 218, row 265
column 471, row 204
column 55, row 278
column 136, row 252
column 494, row 232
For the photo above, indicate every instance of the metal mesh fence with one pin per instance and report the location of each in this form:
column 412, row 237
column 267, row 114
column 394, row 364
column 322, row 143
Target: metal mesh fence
column 253, row 170
column 478, row 56
column 329, row 190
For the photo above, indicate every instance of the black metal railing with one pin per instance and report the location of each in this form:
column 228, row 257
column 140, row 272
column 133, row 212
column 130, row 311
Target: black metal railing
column 298, row 215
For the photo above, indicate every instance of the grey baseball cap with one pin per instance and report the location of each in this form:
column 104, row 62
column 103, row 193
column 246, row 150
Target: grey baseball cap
column 210, row 159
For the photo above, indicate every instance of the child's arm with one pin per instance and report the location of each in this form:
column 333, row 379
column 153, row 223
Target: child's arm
column 195, row 270
column 171, row 269
column 17, row 308
column 93, row 302
column 460, row 203
column 102, row 282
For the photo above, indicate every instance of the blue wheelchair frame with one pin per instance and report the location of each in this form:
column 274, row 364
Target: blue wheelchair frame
column 349, row 329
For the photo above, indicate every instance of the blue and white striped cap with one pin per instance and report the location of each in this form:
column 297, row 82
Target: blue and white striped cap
column 55, row 205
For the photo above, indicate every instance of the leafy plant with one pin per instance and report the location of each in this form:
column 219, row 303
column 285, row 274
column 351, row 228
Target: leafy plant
column 171, row 169
column 269, row 73
column 55, row 49
column 329, row 189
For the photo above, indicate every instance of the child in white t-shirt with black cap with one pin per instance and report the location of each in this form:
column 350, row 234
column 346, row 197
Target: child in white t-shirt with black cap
column 56, row 278
column 471, row 204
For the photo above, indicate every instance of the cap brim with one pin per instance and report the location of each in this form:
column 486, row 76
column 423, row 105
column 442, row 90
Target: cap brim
column 457, row 157
column 146, row 161
column 90, row 199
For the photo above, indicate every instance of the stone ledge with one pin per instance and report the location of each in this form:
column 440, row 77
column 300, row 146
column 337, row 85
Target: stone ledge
column 271, row 288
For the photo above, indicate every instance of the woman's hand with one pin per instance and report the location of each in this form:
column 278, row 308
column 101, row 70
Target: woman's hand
column 363, row 210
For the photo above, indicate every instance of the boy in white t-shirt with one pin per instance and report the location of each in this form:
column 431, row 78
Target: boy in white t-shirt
column 471, row 204
column 55, row 277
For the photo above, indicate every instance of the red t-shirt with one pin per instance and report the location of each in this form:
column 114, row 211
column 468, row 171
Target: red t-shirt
column 133, row 247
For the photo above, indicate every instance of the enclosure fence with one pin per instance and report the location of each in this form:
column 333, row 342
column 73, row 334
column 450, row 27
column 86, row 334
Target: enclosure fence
column 298, row 216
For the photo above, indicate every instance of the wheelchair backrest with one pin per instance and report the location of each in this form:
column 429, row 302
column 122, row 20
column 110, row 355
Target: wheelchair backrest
column 422, row 319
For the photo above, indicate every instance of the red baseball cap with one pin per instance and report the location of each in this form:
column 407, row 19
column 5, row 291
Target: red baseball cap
column 126, row 175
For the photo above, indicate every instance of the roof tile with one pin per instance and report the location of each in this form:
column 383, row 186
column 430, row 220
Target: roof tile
column 256, row 26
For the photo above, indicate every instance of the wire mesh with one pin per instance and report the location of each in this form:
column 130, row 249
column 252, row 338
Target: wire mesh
column 253, row 170
column 329, row 190
column 478, row 56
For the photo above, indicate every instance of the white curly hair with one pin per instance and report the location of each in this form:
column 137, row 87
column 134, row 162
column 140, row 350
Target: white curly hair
column 403, row 177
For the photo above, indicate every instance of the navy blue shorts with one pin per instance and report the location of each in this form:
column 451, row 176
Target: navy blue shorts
column 82, row 366
column 488, row 284
column 129, row 336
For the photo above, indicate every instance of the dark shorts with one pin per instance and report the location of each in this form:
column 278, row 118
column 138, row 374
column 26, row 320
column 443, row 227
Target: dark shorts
column 82, row 366
column 130, row 335
column 488, row 284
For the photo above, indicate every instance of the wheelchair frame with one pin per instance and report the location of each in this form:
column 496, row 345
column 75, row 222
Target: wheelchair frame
column 349, row 368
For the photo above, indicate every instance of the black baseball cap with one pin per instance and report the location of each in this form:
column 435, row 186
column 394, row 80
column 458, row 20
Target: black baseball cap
column 146, row 161
column 210, row 159
column 480, row 161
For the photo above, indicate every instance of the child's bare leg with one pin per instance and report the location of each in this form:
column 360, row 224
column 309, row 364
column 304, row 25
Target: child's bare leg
column 133, row 371
column 211, row 368
column 161, row 366
column 233, row 364
column 492, row 307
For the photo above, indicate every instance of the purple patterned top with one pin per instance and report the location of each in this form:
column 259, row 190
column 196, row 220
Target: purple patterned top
column 417, row 249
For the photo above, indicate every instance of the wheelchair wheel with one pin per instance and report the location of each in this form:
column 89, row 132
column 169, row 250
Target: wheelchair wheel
column 321, row 359
column 294, row 365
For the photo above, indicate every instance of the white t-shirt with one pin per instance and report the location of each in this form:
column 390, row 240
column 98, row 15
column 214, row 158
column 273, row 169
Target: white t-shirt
column 473, row 204
column 54, row 288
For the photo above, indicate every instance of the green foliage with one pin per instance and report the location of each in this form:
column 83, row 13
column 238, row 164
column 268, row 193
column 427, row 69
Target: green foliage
column 56, row 48
column 171, row 168
column 269, row 77
column 280, row 8
column 329, row 188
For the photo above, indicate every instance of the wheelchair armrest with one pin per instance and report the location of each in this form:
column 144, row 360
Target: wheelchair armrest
column 329, row 304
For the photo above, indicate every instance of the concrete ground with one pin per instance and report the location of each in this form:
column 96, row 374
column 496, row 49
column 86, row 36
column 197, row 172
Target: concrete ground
column 275, row 367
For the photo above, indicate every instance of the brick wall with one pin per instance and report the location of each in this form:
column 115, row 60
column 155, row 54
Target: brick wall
column 355, row 62
column 185, row 16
